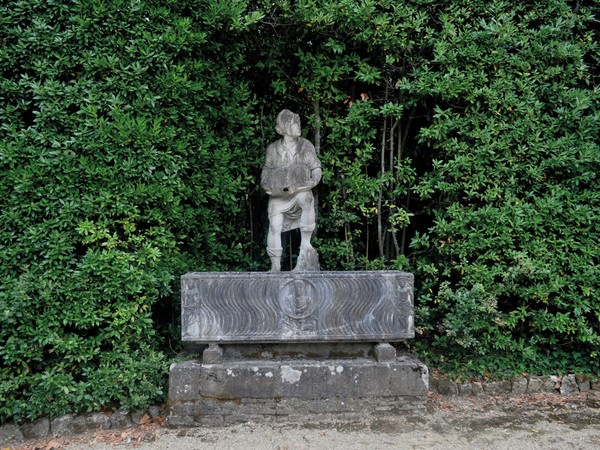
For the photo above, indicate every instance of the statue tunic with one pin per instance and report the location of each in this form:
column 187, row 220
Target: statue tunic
column 287, row 178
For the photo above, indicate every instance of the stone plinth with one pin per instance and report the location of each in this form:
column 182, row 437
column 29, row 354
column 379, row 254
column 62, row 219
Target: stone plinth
column 294, row 389
column 371, row 306
column 293, row 378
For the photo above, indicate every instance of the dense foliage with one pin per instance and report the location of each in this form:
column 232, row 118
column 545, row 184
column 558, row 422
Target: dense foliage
column 123, row 162
column 459, row 141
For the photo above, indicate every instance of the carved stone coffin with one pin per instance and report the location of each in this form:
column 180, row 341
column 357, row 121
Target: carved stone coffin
column 370, row 306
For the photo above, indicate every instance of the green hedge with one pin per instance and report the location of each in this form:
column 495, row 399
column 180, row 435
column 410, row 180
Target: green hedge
column 123, row 158
column 514, row 249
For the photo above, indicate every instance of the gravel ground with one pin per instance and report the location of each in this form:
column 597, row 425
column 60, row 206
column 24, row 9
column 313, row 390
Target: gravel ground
column 534, row 421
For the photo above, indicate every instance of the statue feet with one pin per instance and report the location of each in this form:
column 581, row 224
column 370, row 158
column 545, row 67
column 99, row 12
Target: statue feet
column 308, row 259
column 275, row 265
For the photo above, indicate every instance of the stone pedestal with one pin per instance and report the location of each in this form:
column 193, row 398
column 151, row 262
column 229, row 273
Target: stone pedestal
column 290, row 344
column 208, row 393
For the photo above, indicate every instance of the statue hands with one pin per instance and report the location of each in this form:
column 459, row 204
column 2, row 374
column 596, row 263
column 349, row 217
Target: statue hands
column 289, row 191
column 306, row 186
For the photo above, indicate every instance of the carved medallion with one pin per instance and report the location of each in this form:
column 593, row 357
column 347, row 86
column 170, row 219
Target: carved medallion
column 298, row 304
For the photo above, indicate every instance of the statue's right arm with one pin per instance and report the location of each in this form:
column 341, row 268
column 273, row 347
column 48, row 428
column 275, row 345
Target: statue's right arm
column 265, row 176
column 265, row 180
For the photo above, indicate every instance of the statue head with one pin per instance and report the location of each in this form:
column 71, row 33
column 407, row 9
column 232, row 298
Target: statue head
column 288, row 123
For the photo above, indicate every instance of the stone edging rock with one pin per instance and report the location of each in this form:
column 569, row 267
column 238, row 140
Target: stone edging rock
column 567, row 385
column 77, row 423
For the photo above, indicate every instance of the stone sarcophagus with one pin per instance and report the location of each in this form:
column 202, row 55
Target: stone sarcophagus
column 369, row 306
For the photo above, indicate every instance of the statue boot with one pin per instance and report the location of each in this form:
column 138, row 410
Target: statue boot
column 308, row 259
column 275, row 256
column 305, row 242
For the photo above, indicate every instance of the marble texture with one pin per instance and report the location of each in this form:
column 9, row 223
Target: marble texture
column 369, row 306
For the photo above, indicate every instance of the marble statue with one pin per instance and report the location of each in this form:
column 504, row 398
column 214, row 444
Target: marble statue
column 290, row 172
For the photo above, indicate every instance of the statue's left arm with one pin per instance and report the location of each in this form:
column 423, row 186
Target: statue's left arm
column 314, row 165
column 315, row 175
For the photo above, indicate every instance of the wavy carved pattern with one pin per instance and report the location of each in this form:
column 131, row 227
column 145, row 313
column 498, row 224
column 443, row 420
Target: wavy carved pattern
column 259, row 307
column 316, row 307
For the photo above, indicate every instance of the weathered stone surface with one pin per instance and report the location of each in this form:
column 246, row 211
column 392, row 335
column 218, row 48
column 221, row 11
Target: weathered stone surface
column 308, row 260
column 182, row 420
column 535, row 384
column 210, row 421
column 137, row 416
column 36, row 429
column 370, row 306
column 446, row 387
column 384, row 352
column 497, row 387
column 9, row 434
column 476, row 388
column 68, row 424
column 154, row 411
column 390, row 425
column 543, row 384
column 583, row 383
column 519, row 385
column 465, row 389
column 551, row 384
column 184, row 381
column 568, row 386
column 210, row 412
column 98, row 421
column 121, row 418
column 213, row 354
column 298, row 350
column 259, row 379
column 314, row 379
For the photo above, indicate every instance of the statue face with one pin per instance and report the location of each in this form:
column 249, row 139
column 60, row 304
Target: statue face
column 293, row 128
column 288, row 123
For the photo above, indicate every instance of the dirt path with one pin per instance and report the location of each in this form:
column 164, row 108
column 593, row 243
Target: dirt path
column 535, row 421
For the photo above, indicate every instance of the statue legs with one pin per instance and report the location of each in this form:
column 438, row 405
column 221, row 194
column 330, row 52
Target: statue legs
column 274, row 249
column 307, row 219
column 308, row 258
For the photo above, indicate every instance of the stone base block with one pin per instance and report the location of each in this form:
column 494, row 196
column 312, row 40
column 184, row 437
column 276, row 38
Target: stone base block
column 218, row 393
column 384, row 352
column 214, row 413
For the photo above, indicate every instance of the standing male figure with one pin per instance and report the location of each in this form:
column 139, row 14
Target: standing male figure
column 290, row 172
